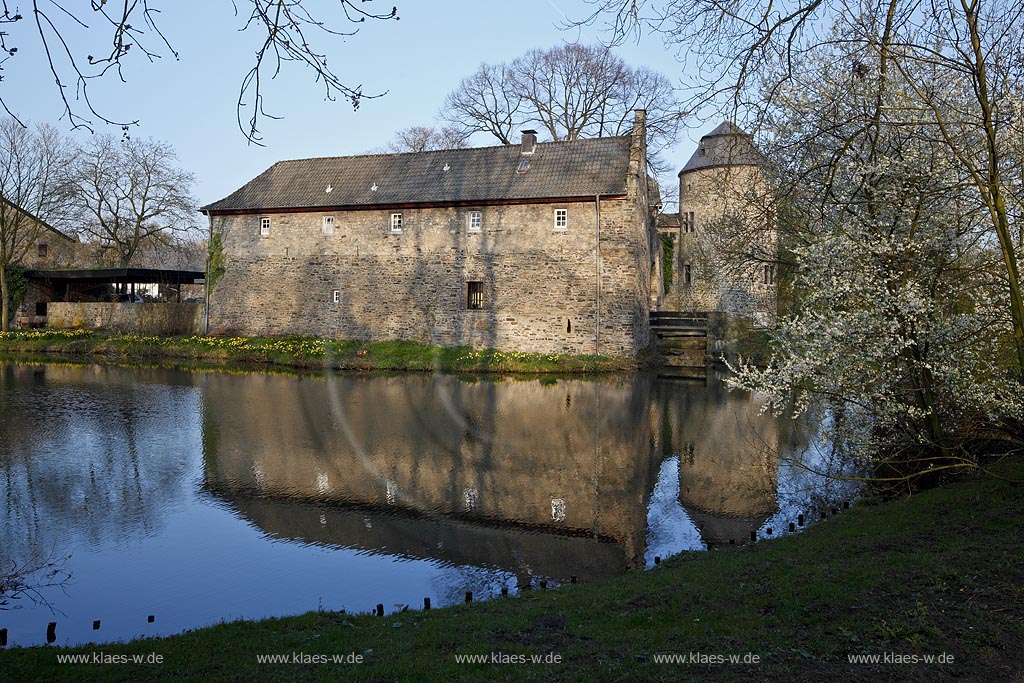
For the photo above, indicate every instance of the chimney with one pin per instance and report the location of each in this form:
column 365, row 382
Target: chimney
column 529, row 141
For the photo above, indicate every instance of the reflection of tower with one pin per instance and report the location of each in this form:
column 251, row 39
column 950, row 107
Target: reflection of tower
column 728, row 462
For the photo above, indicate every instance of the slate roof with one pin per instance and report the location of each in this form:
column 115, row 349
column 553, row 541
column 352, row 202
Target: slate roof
column 726, row 145
column 580, row 168
column 668, row 220
column 35, row 218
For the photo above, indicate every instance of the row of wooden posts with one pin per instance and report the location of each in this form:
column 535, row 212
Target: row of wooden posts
column 378, row 611
column 51, row 628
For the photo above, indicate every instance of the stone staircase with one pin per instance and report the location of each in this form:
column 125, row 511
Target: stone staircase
column 681, row 337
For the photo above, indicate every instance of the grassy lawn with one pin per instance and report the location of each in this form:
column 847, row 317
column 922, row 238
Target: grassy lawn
column 306, row 353
column 940, row 573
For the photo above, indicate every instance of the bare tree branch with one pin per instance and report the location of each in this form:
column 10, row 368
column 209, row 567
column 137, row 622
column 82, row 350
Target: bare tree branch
column 291, row 33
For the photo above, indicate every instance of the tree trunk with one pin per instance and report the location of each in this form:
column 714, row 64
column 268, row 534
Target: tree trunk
column 5, row 312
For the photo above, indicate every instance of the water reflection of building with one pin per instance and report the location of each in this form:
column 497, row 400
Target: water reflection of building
column 728, row 458
column 550, row 480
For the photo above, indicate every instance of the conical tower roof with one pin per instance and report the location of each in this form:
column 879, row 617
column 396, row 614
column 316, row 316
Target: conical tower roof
column 726, row 145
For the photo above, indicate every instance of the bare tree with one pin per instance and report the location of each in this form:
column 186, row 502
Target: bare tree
column 961, row 60
column 289, row 32
column 487, row 102
column 571, row 92
column 131, row 193
column 424, row 139
column 32, row 190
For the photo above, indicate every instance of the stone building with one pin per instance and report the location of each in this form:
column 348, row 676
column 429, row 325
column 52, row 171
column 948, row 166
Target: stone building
column 724, row 238
column 542, row 247
column 46, row 247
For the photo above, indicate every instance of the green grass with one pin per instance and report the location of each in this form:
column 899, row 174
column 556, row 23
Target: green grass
column 939, row 572
column 308, row 353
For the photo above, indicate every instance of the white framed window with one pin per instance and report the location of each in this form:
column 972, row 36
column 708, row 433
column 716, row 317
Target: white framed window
column 264, row 226
column 561, row 219
column 336, row 296
column 396, row 223
column 474, row 221
column 328, row 228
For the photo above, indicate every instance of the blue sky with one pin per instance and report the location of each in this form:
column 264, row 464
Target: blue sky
column 417, row 60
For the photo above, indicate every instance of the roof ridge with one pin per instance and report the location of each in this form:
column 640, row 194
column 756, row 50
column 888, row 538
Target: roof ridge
column 440, row 151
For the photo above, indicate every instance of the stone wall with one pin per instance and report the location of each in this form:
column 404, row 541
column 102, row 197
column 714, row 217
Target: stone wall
column 149, row 319
column 540, row 285
column 734, row 239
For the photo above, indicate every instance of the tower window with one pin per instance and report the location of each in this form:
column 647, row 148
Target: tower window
column 689, row 223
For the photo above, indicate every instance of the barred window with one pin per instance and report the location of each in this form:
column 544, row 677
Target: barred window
column 474, row 295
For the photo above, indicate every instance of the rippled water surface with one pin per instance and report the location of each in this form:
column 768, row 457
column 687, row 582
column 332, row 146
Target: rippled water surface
column 203, row 497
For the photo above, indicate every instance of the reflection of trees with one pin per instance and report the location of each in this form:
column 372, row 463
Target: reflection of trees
column 87, row 455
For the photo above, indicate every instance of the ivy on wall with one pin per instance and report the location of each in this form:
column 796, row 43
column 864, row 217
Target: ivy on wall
column 17, row 285
column 216, row 260
column 668, row 249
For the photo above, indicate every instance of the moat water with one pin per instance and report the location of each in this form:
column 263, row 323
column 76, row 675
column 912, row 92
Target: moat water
column 200, row 497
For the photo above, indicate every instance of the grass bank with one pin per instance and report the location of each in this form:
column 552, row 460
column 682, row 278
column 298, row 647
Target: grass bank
column 937, row 574
column 306, row 353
